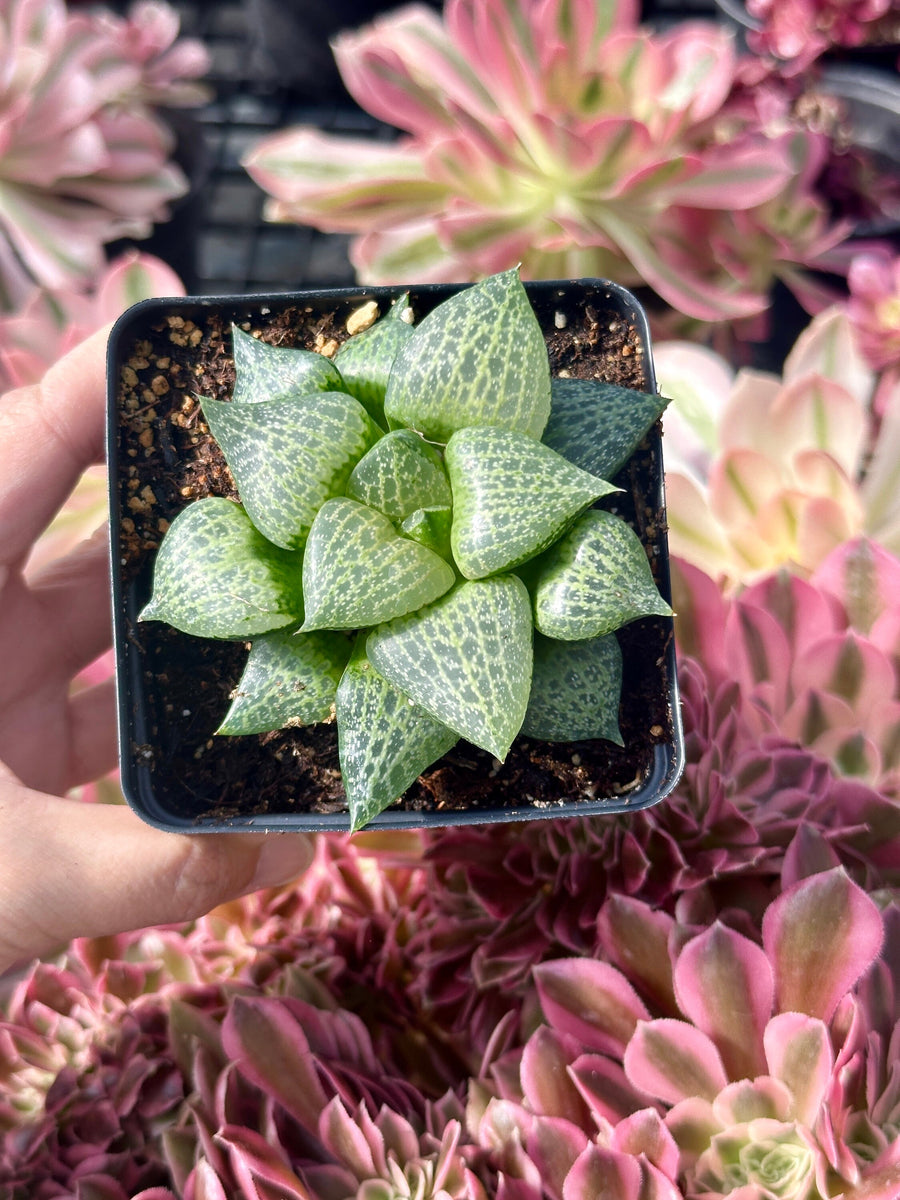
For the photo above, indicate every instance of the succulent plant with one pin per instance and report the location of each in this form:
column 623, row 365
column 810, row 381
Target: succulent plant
column 409, row 555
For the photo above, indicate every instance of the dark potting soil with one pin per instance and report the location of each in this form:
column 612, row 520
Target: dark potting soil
column 169, row 459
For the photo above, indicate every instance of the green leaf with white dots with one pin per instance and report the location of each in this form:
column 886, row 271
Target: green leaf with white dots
column 385, row 741
column 264, row 372
column 400, row 474
column 217, row 576
column 575, row 690
column 431, row 527
column 477, row 359
column 512, row 497
column 289, row 456
column 290, row 678
column 598, row 426
column 358, row 571
column 365, row 360
column 466, row 659
column 595, row 580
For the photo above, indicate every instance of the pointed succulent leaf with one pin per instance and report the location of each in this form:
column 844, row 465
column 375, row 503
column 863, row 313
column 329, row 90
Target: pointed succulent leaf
column 477, row 359
column 595, row 580
column 724, row 984
column 290, row 678
column 365, row 360
column 358, row 571
column 575, row 690
column 385, row 741
column 820, row 936
column 289, row 456
column 264, row 372
column 673, row 1060
column 590, row 1001
column 604, row 1174
column 401, row 473
column 216, row 575
column 598, row 426
column 466, row 659
column 799, row 1053
column 431, row 527
column 512, row 497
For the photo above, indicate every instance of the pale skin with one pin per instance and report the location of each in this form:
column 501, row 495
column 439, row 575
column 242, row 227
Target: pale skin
column 70, row 869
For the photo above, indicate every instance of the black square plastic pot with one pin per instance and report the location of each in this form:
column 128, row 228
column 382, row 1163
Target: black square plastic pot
column 174, row 689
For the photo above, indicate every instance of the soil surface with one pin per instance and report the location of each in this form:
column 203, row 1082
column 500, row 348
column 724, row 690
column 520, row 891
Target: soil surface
column 166, row 458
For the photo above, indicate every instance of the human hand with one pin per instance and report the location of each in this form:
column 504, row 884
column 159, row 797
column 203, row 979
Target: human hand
column 70, row 869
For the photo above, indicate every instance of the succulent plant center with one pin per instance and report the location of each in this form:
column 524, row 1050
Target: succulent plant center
column 417, row 553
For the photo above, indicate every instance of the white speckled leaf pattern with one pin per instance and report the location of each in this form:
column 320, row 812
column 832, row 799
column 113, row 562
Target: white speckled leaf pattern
column 431, row 527
column 598, row 426
column 400, row 474
column 466, row 659
column 385, row 741
column 512, row 497
column 264, row 372
column 595, row 580
column 365, row 360
column 289, row 678
column 289, row 456
column 575, row 690
column 359, row 572
column 477, row 359
column 216, row 576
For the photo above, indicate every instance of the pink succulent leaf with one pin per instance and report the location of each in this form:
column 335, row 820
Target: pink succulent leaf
column 849, row 667
column 819, row 413
column 203, row 1183
column 349, row 183
column 644, row 1134
column 673, row 1060
column 820, row 936
column 256, row 1164
column 724, row 985
column 546, row 1083
column 604, row 1087
column 554, row 1145
column 878, row 493
column 763, row 1098
column 700, row 611
column 601, row 1174
column 808, row 854
column 758, row 649
column 342, row 1136
column 698, row 382
column 741, row 178
column 799, row 1053
column 590, row 1001
column 270, row 1047
column 827, row 348
column 694, row 534
column 635, row 937
column 864, row 577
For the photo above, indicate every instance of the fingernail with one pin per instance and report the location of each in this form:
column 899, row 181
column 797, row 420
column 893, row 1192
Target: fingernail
column 283, row 857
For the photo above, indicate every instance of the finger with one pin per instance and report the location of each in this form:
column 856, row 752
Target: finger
column 92, row 722
column 49, row 433
column 72, row 597
column 70, row 869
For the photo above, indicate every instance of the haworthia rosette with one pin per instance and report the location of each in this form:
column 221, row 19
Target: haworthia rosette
column 365, row 360
column 595, row 580
column 466, row 659
column 400, row 474
column 264, row 372
column 217, row 576
column 385, row 741
column 289, row 456
column 477, row 359
column 290, row 678
column 575, row 690
column 359, row 572
column 512, row 497
column 598, row 426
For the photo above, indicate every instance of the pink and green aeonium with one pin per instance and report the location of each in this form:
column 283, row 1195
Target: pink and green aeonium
column 531, row 137
column 85, row 157
column 780, row 471
column 377, row 559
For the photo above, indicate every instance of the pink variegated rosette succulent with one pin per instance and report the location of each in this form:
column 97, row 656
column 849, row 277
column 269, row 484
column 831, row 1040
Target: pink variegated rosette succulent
column 84, row 159
column 874, row 308
column 781, row 470
column 562, row 137
column 711, row 1062
column 798, row 31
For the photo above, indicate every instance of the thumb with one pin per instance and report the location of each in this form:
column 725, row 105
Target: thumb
column 84, row 870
